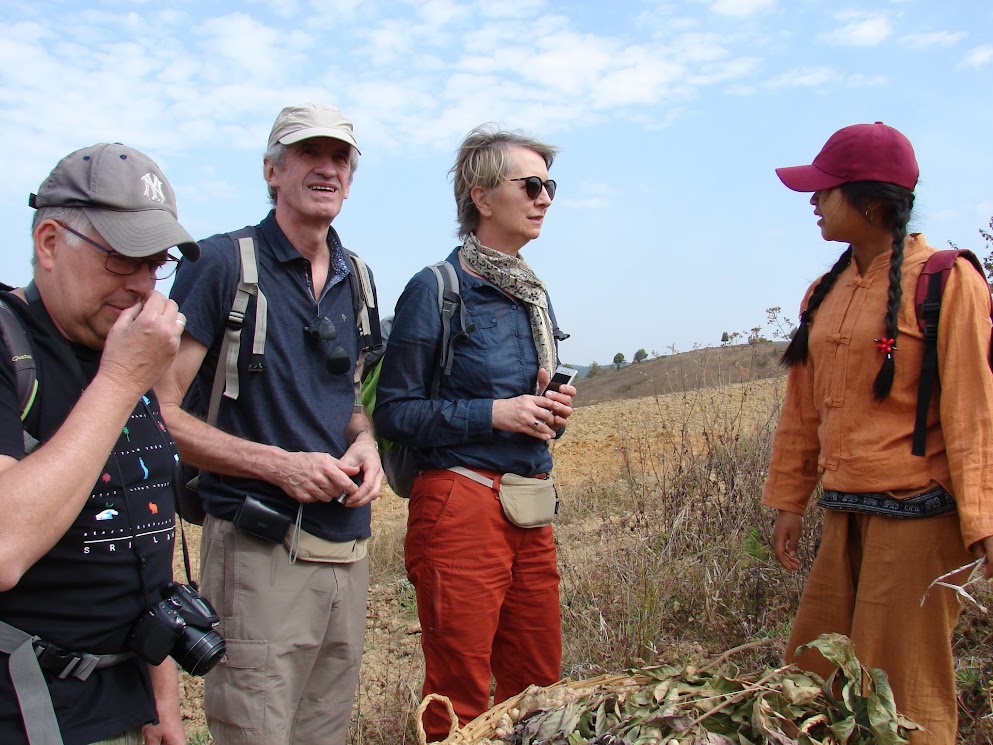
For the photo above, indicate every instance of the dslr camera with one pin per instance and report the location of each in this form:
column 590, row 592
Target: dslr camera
column 181, row 625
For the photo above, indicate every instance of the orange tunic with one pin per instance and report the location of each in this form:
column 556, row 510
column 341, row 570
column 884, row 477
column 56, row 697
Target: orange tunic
column 871, row 572
column 832, row 429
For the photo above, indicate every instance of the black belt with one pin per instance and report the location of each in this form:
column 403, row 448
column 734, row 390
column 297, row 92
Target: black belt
column 930, row 503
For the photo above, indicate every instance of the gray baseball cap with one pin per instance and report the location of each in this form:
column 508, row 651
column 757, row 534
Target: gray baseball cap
column 306, row 120
column 124, row 194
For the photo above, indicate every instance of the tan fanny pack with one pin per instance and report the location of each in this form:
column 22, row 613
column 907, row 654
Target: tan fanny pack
column 526, row 502
column 304, row 546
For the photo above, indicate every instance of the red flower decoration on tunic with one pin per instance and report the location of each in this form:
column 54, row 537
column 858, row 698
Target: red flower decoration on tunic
column 886, row 346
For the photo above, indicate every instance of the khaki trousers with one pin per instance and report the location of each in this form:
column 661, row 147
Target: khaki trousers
column 294, row 637
column 867, row 582
column 487, row 597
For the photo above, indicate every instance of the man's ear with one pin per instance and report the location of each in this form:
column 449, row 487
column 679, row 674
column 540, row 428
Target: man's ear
column 481, row 198
column 45, row 242
column 269, row 173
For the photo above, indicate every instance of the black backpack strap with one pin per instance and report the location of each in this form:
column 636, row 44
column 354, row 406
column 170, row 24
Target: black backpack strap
column 930, row 286
column 929, row 310
column 21, row 357
column 15, row 337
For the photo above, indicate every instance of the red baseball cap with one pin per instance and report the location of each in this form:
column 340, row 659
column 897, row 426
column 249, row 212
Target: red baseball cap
column 861, row 152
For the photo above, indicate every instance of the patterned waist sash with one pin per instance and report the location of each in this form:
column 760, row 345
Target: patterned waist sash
column 930, row 503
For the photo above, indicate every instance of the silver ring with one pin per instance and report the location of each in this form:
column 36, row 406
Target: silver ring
column 537, row 423
column 181, row 322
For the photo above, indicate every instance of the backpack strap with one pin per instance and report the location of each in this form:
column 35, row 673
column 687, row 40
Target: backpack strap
column 364, row 304
column 927, row 306
column 226, row 374
column 15, row 337
column 453, row 326
column 366, row 320
column 28, row 655
column 32, row 692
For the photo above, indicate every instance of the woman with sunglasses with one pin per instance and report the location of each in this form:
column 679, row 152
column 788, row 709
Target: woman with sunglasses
column 893, row 521
column 487, row 590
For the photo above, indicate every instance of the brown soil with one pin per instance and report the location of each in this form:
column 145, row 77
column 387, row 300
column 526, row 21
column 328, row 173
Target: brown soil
column 604, row 441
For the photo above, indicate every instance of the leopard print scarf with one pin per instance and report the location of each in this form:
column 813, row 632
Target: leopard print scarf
column 513, row 275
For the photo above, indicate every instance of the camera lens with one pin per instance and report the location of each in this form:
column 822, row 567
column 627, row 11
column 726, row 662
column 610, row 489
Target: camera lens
column 197, row 651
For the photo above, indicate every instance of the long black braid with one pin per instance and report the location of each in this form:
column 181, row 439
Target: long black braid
column 796, row 352
column 891, row 205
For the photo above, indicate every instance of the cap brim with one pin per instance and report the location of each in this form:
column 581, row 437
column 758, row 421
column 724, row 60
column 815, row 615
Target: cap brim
column 808, row 178
column 306, row 134
column 142, row 233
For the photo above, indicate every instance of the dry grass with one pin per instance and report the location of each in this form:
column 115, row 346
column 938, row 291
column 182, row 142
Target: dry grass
column 664, row 553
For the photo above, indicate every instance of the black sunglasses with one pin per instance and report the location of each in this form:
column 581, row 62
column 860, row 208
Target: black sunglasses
column 533, row 186
column 322, row 329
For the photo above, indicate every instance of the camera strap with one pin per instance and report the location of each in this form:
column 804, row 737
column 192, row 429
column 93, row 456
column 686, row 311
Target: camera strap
column 28, row 656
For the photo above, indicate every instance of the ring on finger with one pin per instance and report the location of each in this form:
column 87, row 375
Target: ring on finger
column 537, row 423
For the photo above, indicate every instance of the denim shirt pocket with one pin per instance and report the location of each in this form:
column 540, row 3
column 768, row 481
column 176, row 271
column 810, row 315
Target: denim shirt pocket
column 476, row 365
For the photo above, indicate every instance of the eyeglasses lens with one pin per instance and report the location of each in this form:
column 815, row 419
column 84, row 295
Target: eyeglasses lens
column 533, row 184
column 126, row 266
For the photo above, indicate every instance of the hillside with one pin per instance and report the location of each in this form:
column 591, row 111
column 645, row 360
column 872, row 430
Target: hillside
column 699, row 368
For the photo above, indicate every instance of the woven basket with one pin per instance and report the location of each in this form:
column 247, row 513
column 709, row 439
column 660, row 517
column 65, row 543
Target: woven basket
column 484, row 726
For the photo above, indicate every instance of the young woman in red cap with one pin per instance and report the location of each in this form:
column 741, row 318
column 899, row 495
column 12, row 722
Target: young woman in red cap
column 893, row 521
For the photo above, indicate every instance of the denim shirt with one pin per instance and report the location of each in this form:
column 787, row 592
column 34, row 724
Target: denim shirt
column 497, row 360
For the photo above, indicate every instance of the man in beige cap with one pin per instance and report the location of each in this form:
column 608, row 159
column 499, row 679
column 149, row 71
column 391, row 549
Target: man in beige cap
column 288, row 472
column 86, row 525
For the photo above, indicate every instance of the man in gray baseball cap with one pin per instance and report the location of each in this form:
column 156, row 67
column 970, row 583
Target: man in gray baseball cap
column 288, row 472
column 86, row 462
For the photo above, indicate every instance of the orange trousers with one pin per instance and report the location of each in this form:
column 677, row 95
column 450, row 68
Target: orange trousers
column 487, row 597
column 867, row 582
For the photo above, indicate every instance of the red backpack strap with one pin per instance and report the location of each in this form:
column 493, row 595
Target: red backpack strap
column 927, row 307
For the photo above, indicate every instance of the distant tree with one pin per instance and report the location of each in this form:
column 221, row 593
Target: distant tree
column 640, row 356
column 987, row 261
column 725, row 339
column 593, row 370
column 618, row 360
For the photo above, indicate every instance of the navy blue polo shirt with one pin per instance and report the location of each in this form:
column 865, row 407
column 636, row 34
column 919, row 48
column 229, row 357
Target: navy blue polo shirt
column 497, row 360
column 294, row 402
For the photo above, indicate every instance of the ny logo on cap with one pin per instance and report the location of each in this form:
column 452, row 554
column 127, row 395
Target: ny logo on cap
column 153, row 188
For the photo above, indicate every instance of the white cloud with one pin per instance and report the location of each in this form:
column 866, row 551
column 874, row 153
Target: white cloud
column 804, row 78
column 860, row 29
column 741, row 7
column 979, row 57
column 935, row 38
column 516, row 9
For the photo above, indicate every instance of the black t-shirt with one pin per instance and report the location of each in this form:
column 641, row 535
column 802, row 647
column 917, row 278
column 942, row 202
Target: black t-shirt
column 110, row 566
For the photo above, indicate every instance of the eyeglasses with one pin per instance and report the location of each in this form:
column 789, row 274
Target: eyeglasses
column 533, row 186
column 322, row 329
column 159, row 267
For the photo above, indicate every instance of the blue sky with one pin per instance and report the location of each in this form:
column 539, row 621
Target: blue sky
column 669, row 226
